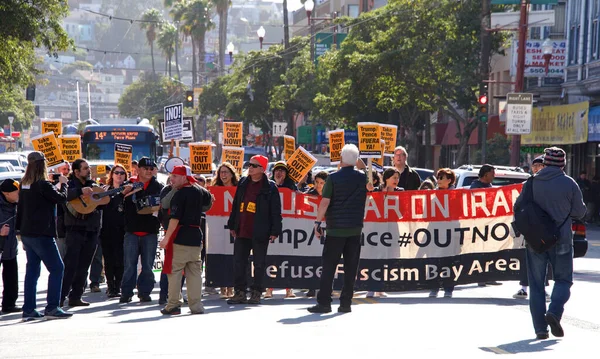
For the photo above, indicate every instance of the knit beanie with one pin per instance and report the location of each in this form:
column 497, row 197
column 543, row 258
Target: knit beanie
column 554, row 156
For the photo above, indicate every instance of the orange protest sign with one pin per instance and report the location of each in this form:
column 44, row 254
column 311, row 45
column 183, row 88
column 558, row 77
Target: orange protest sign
column 336, row 142
column 300, row 163
column 369, row 135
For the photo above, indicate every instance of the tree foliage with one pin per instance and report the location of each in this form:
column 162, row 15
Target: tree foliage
column 148, row 96
column 13, row 102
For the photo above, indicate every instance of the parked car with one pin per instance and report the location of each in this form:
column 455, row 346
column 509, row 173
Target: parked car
column 466, row 174
column 15, row 175
column 7, row 167
column 580, row 243
column 18, row 160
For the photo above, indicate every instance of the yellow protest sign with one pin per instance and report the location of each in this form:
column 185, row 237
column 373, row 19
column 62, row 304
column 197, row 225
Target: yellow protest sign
column 389, row 134
column 378, row 162
column 101, row 169
column 124, row 155
column 369, row 134
column 336, row 142
column 558, row 125
column 201, row 157
column 52, row 126
column 289, row 146
column 300, row 163
column 232, row 134
column 70, row 147
column 235, row 156
column 47, row 144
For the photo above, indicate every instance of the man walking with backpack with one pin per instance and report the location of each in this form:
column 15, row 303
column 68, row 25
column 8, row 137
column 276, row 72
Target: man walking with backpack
column 560, row 197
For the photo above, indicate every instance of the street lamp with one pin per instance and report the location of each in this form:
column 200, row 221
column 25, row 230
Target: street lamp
column 261, row 35
column 547, row 47
column 230, row 49
column 309, row 6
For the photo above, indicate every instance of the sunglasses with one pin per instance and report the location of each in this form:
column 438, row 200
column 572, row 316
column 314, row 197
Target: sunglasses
column 254, row 165
column 120, row 173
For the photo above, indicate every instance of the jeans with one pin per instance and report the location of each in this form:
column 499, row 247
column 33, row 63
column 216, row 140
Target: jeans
column 134, row 247
column 96, row 267
column 561, row 258
column 241, row 252
column 42, row 249
column 81, row 246
column 332, row 252
column 10, row 282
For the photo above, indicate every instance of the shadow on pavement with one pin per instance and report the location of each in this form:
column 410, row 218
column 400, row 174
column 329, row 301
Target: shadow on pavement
column 526, row 346
column 586, row 276
column 309, row 318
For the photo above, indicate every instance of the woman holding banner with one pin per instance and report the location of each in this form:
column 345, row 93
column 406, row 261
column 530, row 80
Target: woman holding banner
column 391, row 178
column 227, row 176
column 445, row 180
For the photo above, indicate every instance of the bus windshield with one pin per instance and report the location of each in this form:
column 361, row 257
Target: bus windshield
column 106, row 151
column 98, row 141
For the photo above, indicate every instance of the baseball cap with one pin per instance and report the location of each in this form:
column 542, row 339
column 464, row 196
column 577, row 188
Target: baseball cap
column 538, row 159
column 146, row 162
column 184, row 171
column 35, row 156
column 9, row 185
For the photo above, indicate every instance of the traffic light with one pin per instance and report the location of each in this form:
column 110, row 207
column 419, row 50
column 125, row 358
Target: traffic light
column 30, row 93
column 189, row 99
column 482, row 108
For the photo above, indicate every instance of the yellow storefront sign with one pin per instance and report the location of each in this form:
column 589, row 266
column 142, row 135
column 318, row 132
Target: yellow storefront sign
column 558, row 125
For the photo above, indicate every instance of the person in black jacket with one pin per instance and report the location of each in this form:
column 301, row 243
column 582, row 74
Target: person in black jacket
column 112, row 233
column 9, row 196
column 81, row 235
column 280, row 176
column 36, row 220
column 141, row 233
column 409, row 178
column 254, row 220
column 65, row 169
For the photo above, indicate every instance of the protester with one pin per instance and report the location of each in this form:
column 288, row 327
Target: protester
column 486, row 176
column 409, row 178
column 141, row 234
column 586, row 190
column 81, row 235
column 166, row 195
column 305, row 183
column 317, row 190
column 65, row 169
column 376, row 179
column 344, row 228
column 446, row 178
column 279, row 175
column 9, row 196
column 391, row 177
column 112, row 233
column 36, row 220
column 427, row 185
column 560, row 196
column 134, row 169
column 227, row 176
column 254, row 221
column 183, row 241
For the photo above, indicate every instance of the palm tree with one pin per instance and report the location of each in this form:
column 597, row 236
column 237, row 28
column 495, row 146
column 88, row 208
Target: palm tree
column 222, row 10
column 177, row 12
column 151, row 22
column 167, row 41
column 197, row 18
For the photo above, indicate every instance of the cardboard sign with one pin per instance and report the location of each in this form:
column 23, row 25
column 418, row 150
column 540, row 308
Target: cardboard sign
column 235, row 156
column 378, row 162
column 289, row 146
column 389, row 134
column 101, row 169
column 201, row 158
column 232, row 134
column 124, row 155
column 70, row 147
column 300, row 163
column 336, row 143
column 47, row 144
column 369, row 134
column 52, row 126
column 173, row 129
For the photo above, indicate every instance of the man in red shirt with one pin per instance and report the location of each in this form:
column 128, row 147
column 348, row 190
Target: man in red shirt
column 255, row 219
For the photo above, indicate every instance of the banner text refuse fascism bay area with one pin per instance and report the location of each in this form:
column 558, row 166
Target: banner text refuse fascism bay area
column 410, row 240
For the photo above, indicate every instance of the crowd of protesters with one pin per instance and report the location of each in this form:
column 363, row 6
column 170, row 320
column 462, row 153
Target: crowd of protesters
column 123, row 234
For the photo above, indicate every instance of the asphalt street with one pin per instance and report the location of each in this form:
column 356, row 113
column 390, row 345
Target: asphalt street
column 478, row 322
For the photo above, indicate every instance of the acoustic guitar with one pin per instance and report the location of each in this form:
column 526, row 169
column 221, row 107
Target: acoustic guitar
column 87, row 204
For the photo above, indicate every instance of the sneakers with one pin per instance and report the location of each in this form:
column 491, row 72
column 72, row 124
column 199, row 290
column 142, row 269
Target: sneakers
column 174, row 311
column 124, row 299
column 32, row 316
column 78, row 303
column 269, row 293
column 555, row 327
column 521, row 294
column 254, row 297
column 95, row 288
column 145, row 298
column 434, row 293
column 542, row 336
column 320, row 309
column 238, row 298
column 57, row 313
column 344, row 309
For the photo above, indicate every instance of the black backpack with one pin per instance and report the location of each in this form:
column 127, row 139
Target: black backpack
column 535, row 224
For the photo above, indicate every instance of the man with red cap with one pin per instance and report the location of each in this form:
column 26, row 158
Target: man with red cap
column 254, row 220
column 183, row 241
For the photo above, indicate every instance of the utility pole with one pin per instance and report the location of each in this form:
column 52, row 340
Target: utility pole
column 484, row 67
column 515, row 144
